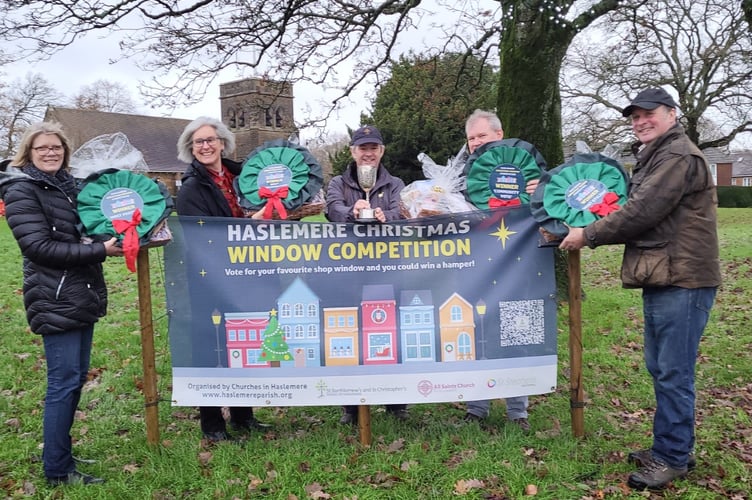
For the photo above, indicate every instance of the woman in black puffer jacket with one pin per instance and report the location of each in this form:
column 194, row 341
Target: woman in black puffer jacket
column 64, row 288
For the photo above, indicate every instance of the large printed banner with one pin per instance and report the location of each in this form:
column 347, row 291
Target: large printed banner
column 283, row 313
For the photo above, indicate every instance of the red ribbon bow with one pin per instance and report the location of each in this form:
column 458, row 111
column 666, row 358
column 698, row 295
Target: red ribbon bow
column 497, row 203
column 130, row 241
column 275, row 198
column 607, row 205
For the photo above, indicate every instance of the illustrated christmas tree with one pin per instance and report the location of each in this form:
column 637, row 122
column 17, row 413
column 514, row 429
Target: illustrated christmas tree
column 274, row 348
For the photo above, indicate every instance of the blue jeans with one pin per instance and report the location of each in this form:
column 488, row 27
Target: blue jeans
column 674, row 321
column 68, row 357
column 516, row 407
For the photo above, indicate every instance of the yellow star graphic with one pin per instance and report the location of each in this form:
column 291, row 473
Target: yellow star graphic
column 503, row 234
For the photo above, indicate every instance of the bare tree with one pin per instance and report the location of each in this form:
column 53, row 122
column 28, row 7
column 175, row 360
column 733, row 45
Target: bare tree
column 338, row 44
column 23, row 102
column 701, row 49
column 104, row 95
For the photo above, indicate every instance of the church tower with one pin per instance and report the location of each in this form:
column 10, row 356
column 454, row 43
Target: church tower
column 256, row 110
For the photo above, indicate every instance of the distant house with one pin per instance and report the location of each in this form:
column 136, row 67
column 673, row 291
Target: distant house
column 721, row 165
column 742, row 171
column 155, row 137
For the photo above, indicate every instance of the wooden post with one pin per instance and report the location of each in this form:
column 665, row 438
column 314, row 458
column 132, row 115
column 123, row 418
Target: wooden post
column 147, row 348
column 577, row 393
column 364, row 424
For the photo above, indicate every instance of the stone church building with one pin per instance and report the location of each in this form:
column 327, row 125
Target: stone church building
column 255, row 110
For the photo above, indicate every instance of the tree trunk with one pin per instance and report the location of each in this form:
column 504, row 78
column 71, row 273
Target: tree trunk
column 532, row 49
column 747, row 6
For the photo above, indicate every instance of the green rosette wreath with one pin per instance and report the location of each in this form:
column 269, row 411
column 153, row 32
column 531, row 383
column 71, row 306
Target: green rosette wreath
column 279, row 175
column 498, row 171
column 580, row 191
column 119, row 202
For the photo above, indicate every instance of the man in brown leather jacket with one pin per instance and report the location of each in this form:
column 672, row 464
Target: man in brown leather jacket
column 668, row 227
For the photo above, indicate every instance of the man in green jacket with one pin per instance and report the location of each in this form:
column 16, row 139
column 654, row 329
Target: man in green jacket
column 668, row 227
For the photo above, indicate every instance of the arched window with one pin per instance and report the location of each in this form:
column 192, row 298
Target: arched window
column 313, row 331
column 284, row 310
column 464, row 346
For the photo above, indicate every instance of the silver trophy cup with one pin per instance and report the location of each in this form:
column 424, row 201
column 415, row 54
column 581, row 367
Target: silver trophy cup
column 366, row 180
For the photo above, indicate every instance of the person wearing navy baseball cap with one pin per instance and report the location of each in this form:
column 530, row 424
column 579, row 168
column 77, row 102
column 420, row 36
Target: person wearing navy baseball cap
column 668, row 227
column 367, row 135
column 349, row 197
column 650, row 99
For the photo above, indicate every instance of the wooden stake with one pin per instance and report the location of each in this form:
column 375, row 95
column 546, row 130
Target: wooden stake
column 147, row 348
column 577, row 393
column 364, row 424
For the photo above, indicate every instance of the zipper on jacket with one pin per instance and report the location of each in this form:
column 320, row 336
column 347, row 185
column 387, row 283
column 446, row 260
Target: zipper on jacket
column 60, row 285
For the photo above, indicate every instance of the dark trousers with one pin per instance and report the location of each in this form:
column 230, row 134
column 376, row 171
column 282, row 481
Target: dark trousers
column 212, row 420
column 67, row 355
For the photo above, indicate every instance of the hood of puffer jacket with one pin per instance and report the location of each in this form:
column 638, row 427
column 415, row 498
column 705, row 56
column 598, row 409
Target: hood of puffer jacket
column 10, row 174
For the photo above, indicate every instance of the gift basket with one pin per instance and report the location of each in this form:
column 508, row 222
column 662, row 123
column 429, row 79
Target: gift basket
column 281, row 179
column 585, row 188
column 117, row 199
column 498, row 171
column 440, row 193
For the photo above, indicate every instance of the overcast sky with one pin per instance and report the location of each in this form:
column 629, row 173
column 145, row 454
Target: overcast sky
column 88, row 60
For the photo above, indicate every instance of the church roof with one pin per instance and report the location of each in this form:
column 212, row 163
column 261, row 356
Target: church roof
column 155, row 136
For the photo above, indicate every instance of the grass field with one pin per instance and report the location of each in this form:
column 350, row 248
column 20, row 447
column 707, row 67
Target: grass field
column 434, row 455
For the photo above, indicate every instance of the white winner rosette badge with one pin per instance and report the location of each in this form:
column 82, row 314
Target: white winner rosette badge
column 498, row 171
column 587, row 187
column 506, row 184
column 119, row 202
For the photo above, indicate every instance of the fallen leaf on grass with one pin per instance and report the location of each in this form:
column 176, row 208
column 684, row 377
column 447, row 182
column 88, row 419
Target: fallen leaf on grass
column 204, row 457
column 28, row 490
column 460, row 457
column 463, row 486
column 131, row 468
column 382, row 480
column 396, row 446
column 554, row 431
column 314, row 491
column 254, row 482
column 405, row 466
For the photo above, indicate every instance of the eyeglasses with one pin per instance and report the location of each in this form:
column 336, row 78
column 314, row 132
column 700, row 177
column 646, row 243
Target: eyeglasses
column 43, row 150
column 209, row 141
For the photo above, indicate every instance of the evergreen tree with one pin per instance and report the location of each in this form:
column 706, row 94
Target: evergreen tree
column 273, row 346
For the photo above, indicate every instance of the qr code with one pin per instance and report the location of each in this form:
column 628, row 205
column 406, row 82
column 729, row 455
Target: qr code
column 521, row 322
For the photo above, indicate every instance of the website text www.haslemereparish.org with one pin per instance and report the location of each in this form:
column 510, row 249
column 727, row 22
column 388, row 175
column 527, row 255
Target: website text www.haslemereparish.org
column 247, row 390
